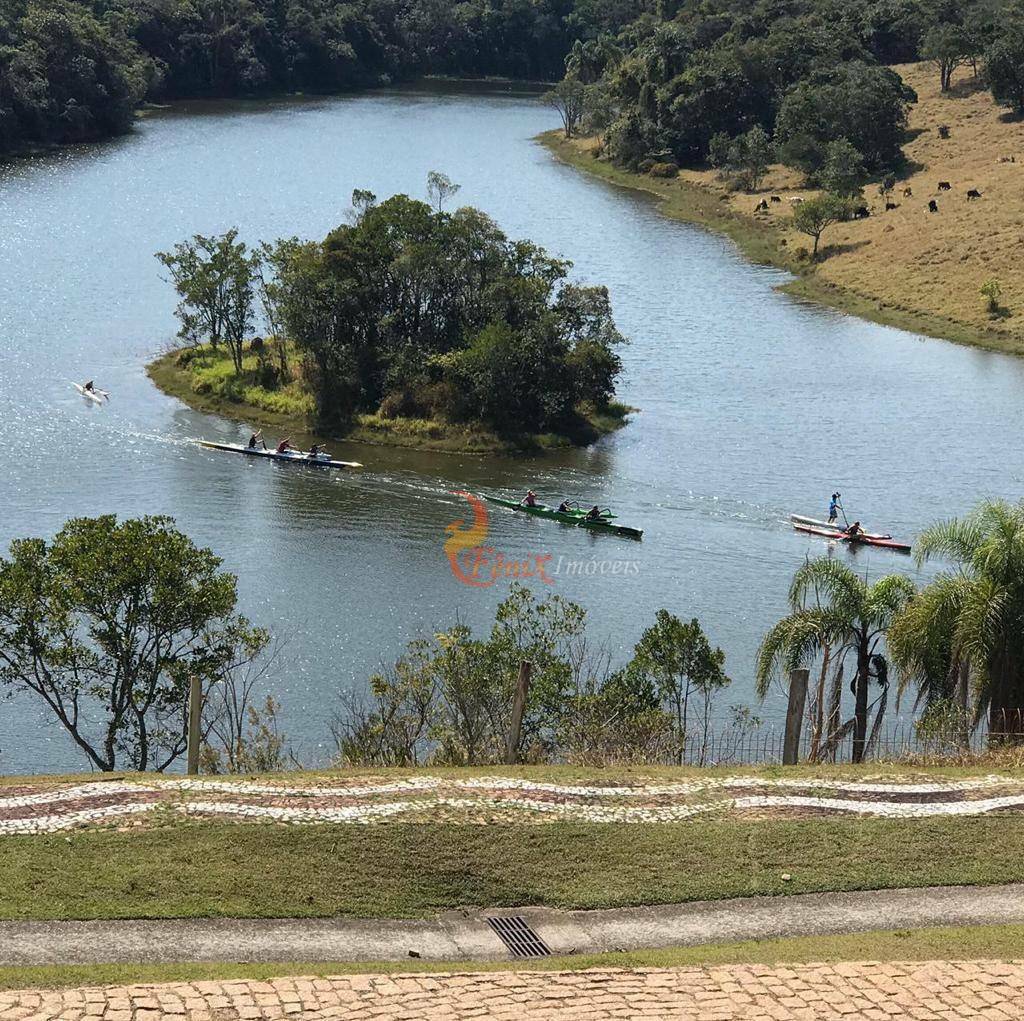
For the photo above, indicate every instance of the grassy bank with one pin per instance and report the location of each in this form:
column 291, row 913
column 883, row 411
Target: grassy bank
column 207, row 382
column 408, row 871
column 986, row 942
column 904, row 267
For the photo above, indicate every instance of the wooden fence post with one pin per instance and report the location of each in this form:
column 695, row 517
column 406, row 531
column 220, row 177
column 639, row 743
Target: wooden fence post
column 795, row 716
column 518, row 708
column 195, row 716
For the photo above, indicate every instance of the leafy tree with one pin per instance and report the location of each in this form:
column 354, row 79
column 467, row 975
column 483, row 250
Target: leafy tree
column 843, row 169
column 440, row 188
column 215, row 278
column 569, row 98
column 679, row 659
column 106, row 624
column 971, row 619
column 947, row 47
column 815, row 215
column 746, row 158
column 833, row 608
column 1004, row 69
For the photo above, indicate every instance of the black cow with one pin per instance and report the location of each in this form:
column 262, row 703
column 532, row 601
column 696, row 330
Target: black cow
column 891, row 205
column 933, row 206
column 973, row 194
column 861, row 213
column 762, row 206
column 944, row 186
column 908, row 192
column 776, row 198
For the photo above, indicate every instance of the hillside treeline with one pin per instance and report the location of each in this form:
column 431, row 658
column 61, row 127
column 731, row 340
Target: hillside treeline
column 75, row 70
column 806, row 82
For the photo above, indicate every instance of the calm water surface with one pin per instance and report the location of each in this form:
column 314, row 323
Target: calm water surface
column 753, row 405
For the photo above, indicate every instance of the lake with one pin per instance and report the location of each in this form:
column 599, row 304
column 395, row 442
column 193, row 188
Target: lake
column 752, row 405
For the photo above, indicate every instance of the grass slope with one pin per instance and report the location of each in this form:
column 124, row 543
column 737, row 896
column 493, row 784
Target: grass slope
column 407, row 870
column 906, row 267
column 946, row 943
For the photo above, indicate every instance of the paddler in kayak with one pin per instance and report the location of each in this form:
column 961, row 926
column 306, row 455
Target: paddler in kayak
column 88, row 387
column 594, row 514
column 315, row 451
column 530, row 500
column 284, row 446
column 854, row 531
column 257, row 437
column 563, row 507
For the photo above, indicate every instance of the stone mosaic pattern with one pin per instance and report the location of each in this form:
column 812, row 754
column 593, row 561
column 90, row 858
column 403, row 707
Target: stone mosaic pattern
column 45, row 807
column 927, row 991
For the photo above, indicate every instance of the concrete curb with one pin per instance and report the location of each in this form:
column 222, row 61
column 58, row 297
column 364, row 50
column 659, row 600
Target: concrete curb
column 467, row 935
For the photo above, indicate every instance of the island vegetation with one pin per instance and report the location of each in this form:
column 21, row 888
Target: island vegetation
column 411, row 322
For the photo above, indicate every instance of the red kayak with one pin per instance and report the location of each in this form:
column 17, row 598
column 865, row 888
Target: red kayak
column 856, row 540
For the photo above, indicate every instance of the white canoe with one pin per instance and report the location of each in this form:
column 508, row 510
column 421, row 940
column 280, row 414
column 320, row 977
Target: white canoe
column 93, row 395
column 294, row 456
column 799, row 519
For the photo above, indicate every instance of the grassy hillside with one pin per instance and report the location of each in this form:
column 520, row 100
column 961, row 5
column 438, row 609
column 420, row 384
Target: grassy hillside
column 906, row 267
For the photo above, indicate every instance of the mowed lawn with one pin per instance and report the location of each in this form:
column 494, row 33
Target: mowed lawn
column 415, row 870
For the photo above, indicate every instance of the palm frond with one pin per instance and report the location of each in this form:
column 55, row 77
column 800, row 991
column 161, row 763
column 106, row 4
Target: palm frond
column 841, row 588
column 957, row 539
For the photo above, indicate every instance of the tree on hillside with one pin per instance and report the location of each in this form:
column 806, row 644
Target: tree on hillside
column 107, row 623
column 971, row 619
column 816, row 214
column 745, row 159
column 215, row 278
column 569, row 98
column 947, row 47
column 440, row 188
column 833, row 608
column 1004, row 69
column 843, row 169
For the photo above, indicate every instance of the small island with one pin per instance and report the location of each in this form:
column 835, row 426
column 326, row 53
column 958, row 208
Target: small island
column 410, row 325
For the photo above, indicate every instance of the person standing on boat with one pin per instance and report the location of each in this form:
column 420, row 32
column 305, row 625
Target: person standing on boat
column 284, row 446
column 257, row 437
column 530, row 500
column 833, row 509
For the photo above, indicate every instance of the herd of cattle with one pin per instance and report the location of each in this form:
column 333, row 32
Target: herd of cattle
column 862, row 211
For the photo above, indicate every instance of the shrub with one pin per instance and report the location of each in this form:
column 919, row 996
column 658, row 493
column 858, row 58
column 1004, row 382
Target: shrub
column 664, row 170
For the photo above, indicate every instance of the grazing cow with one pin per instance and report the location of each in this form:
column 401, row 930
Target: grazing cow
column 762, row 206
column 973, row 194
column 861, row 213
column 908, row 192
column 776, row 198
column 933, row 206
column 891, row 205
column 944, row 186
column 796, row 200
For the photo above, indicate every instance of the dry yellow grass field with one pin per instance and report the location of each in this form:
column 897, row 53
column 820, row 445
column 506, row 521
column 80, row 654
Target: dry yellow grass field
column 907, row 266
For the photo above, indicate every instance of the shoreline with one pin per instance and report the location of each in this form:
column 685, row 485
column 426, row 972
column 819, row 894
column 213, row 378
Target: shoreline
column 410, row 434
column 759, row 242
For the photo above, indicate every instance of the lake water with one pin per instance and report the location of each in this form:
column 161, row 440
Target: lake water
column 752, row 404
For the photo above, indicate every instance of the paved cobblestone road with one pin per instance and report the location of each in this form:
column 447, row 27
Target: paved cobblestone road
column 944, row 991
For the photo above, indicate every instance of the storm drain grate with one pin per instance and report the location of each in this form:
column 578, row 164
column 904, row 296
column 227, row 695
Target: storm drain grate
column 520, row 939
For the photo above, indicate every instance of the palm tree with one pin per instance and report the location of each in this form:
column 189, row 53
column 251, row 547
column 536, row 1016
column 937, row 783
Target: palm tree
column 833, row 608
column 966, row 629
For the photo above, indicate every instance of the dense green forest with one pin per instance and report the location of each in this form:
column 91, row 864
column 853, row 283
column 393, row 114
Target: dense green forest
column 74, row 70
column 741, row 84
column 410, row 311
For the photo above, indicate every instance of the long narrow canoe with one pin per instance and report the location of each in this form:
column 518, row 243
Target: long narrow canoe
column 799, row 519
column 854, row 540
column 577, row 518
column 294, row 456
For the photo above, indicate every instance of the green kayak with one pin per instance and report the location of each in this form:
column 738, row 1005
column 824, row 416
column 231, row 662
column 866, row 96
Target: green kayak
column 577, row 518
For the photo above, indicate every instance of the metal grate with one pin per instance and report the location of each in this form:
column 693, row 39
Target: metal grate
column 520, row 939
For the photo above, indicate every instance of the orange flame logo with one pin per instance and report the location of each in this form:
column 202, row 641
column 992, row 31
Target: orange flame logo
column 476, row 564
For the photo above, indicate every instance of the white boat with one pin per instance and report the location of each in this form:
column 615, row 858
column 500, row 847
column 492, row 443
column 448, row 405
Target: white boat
column 294, row 456
column 831, row 526
column 99, row 396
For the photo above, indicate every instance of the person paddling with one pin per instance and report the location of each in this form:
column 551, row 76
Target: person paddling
column 284, row 446
column 594, row 514
column 563, row 507
column 530, row 500
column 314, row 451
column 833, row 509
column 854, row 530
column 256, row 437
